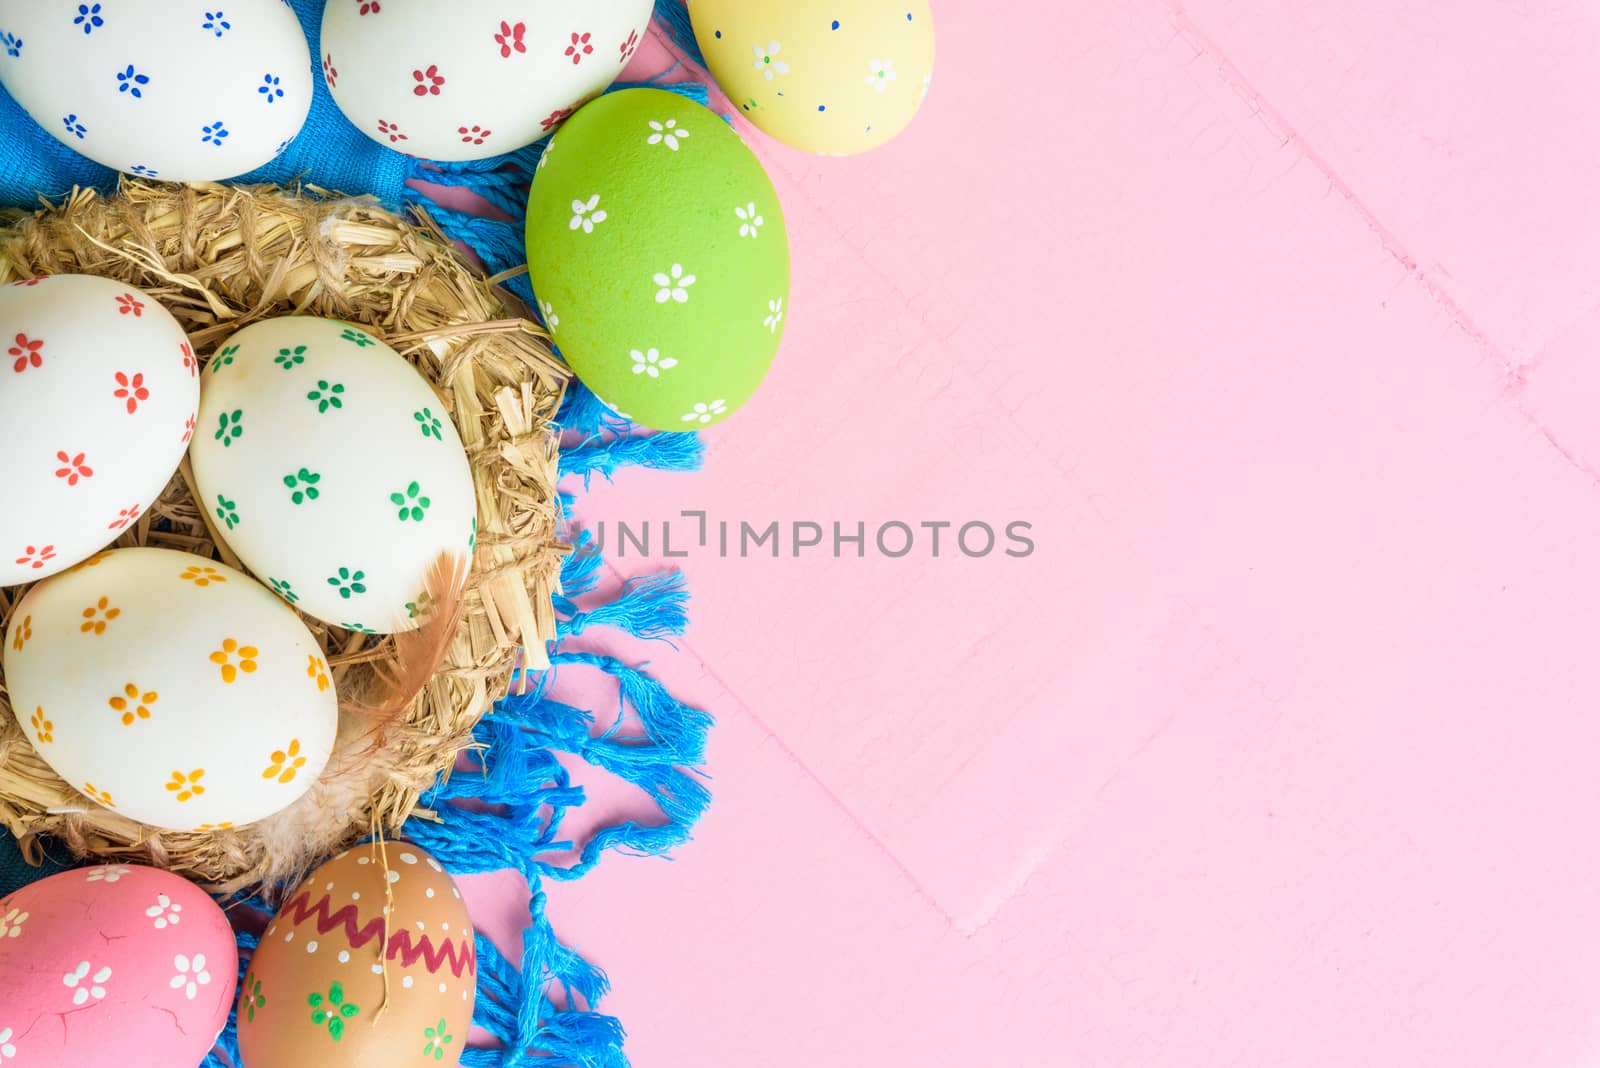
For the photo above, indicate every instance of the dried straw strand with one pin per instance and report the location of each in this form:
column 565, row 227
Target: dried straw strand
column 221, row 257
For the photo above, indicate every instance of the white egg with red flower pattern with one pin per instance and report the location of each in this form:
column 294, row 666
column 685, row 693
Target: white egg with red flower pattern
column 96, row 408
column 183, row 92
column 171, row 688
column 469, row 79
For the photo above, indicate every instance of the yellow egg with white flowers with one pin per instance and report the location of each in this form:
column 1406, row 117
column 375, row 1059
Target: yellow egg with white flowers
column 834, row 77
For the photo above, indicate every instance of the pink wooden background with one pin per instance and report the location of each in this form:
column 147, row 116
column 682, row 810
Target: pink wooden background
column 1278, row 320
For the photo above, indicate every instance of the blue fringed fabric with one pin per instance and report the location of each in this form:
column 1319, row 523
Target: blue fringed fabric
column 508, row 811
column 517, row 797
column 673, row 15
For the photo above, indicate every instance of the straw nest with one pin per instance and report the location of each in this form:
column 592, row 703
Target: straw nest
column 221, row 257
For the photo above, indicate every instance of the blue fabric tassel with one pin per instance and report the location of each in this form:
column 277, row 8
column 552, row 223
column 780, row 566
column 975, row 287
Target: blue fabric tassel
column 542, row 1009
column 647, row 607
column 673, row 15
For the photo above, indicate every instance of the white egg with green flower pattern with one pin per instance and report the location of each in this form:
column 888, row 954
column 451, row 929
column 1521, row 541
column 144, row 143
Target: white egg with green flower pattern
column 330, row 466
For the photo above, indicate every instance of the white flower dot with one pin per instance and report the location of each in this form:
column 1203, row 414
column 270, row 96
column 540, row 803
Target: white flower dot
column 429, row 891
column 408, row 858
column 344, row 956
column 289, row 937
column 311, row 947
column 394, row 876
column 406, row 982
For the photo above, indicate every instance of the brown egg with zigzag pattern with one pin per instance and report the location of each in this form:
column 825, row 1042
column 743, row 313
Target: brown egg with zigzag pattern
column 370, row 962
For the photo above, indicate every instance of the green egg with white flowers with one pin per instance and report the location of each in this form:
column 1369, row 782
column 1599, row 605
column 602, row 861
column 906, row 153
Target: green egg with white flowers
column 657, row 249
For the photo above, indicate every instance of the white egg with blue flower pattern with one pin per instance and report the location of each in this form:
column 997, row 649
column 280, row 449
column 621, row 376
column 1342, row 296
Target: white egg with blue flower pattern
column 330, row 466
column 183, row 91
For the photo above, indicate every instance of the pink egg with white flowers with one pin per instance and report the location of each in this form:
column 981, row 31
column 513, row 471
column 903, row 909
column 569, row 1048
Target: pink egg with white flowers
column 98, row 393
column 113, row 965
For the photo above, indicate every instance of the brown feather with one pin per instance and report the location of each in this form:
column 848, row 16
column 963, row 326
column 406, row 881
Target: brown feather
column 408, row 661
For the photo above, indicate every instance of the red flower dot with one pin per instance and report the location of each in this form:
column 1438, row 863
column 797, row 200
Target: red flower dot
column 579, row 47
column 26, row 352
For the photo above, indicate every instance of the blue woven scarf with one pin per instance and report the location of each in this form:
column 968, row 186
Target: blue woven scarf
column 542, row 1009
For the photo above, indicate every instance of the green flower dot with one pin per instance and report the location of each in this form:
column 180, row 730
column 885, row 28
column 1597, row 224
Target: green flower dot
column 229, row 427
column 438, row 1037
column 227, row 512
column 284, row 590
column 336, row 1012
column 412, row 505
column 288, row 359
column 348, row 582
column 302, row 486
column 223, row 358
column 431, row 425
column 253, row 997
column 357, row 337
column 327, row 395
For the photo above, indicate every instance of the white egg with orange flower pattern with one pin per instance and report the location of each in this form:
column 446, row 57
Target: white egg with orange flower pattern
column 470, row 79
column 170, row 688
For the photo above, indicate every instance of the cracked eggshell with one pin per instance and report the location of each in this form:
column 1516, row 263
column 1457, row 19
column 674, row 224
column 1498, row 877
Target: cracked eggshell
column 379, row 926
column 470, row 79
column 656, row 246
column 185, row 92
column 100, row 964
column 333, row 470
column 171, row 688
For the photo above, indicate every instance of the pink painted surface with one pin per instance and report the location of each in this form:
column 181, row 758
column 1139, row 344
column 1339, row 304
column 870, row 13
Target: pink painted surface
column 1276, row 321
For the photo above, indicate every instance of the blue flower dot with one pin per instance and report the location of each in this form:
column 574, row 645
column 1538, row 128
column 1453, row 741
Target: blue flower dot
column 216, row 23
column 13, row 44
column 213, row 133
column 130, row 80
column 74, row 127
column 89, row 17
column 836, row 24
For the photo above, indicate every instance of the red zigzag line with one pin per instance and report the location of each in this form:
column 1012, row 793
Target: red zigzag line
column 460, row 954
